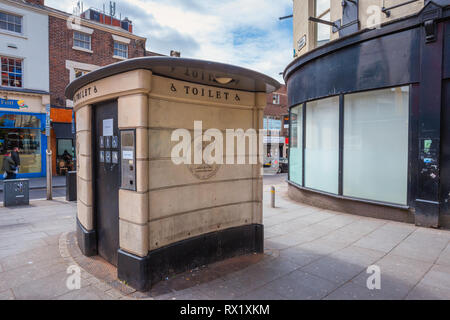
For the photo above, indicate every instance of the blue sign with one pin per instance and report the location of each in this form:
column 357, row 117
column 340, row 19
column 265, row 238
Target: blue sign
column 47, row 120
column 12, row 104
column 73, row 122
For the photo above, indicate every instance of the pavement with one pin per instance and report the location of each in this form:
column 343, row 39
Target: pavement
column 310, row 253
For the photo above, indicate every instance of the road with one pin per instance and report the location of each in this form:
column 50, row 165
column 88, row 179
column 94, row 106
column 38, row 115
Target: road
column 42, row 193
column 272, row 179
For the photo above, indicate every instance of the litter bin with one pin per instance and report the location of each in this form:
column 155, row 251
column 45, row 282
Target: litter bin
column 71, row 186
column 144, row 206
column 16, row 192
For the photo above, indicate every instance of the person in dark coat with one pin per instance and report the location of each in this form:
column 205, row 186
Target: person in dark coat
column 16, row 158
column 9, row 167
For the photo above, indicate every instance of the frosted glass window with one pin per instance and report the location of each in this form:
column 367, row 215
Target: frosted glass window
column 296, row 145
column 322, row 145
column 376, row 145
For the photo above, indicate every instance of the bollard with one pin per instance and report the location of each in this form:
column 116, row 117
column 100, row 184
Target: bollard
column 272, row 197
column 71, row 186
column 49, row 175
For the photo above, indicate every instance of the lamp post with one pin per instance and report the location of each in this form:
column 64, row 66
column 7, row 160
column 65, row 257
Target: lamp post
column 48, row 152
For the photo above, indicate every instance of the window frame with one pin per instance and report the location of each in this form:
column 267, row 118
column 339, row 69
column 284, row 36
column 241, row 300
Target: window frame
column 316, row 26
column 22, row 60
column 14, row 32
column 75, row 32
column 276, row 98
column 120, row 50
column 84, row 72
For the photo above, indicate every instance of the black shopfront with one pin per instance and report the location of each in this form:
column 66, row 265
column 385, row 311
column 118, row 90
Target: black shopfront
column 370, row 121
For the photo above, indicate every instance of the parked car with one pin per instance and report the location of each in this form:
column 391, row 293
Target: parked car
column 283, row 165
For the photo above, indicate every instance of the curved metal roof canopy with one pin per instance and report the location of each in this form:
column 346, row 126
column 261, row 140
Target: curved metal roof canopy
column 192, row 70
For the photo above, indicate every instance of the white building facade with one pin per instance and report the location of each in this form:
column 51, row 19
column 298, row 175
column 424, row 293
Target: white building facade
column 24, row 87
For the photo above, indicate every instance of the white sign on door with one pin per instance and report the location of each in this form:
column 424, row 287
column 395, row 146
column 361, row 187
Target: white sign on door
column 108, row 129
column 127, row 155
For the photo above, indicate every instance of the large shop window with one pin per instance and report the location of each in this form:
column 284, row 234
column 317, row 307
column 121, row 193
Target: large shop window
column 296, row 147
column 23, row 131
column 376, row 145
column 322, row 145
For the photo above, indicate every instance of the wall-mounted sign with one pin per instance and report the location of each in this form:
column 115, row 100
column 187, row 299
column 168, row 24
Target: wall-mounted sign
column 301, row 43
column 12, row 104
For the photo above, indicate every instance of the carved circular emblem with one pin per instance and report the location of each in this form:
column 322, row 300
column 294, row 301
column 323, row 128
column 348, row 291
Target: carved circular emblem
column 203, row 171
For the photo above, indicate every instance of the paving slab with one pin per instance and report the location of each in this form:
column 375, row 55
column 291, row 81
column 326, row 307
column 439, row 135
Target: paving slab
column 49, row 287
column 425, row 292
column 399, row 275
column 300, row 285
column 420, row 247
column 438, row 277
column 352, row 291
column 444, row 257
column 87, row 293
column 334, row 269
column 7, row 295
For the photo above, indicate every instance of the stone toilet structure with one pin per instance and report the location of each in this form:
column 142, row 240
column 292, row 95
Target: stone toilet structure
column 138, row 207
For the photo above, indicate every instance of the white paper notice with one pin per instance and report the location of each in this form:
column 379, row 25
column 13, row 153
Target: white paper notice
column 108, row 130
column 127, row 155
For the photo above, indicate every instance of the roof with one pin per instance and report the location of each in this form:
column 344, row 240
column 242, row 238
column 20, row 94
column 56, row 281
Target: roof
column 192, row 70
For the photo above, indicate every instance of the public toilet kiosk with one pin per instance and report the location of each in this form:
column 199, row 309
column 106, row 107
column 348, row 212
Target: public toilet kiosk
column 150, row 199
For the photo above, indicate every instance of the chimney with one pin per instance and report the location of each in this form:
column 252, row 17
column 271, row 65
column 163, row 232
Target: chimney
column 38, row 2
column 174, row 53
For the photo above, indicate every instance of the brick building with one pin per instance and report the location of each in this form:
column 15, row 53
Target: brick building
column 276, row 121
column 79, row 44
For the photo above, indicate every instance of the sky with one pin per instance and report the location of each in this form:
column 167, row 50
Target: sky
column 246, row 33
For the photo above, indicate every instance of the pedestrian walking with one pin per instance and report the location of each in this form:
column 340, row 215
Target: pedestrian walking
column 9, row 167
column 16, row 158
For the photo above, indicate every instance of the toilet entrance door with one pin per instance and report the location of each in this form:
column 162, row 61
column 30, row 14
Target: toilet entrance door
column 106, row 177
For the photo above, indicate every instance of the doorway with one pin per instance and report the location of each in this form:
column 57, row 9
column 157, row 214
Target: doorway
column 106, row 174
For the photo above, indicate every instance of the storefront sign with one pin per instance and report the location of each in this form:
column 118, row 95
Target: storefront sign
column 12, row 104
